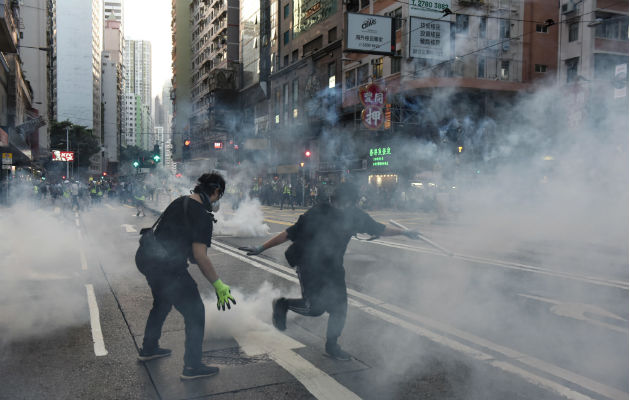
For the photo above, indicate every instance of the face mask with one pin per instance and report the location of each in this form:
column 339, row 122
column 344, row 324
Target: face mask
column 215, row 206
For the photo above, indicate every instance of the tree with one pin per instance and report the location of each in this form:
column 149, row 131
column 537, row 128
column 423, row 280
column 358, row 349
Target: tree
column 81, row 141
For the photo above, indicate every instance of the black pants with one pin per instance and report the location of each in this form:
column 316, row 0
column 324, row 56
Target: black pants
column 322, row 294
column 180, row 291
column 288, row 199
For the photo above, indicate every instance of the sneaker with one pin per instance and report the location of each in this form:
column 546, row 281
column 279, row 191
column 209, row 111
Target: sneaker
column 279, row 316
column 201, row 371
column 150, row 355
column 334, row 351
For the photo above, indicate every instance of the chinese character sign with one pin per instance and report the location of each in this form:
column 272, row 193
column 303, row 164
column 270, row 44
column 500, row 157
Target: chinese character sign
column 429, row 39
column 58, row 155
column 370, row 34
column 380, row 156
column 373, row 98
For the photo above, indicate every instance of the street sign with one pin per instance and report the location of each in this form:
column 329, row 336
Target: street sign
column 372, row 97
column 7, row 158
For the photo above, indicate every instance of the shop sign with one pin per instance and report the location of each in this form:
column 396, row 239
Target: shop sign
column 429, row 39
column 373, row 98
column 380, row 156
column 7, row 158
column 307, row 13
column 372, row 34
column 58, row 155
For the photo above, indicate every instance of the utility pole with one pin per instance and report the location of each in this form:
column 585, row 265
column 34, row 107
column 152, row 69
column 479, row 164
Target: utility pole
column 67, row 150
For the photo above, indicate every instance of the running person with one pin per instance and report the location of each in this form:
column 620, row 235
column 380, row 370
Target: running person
column 320, row 238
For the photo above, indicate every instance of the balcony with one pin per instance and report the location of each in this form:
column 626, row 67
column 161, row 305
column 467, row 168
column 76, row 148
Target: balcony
column 8, row 28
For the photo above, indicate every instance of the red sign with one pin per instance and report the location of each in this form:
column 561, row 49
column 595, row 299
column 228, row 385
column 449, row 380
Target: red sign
column 62, row 155
column 373, row 98
column 218, row 145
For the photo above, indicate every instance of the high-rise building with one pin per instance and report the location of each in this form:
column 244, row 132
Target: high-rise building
column 182, row 75
column 79, row 44
column 112, row 88
column 34, row 52
column 137, row 73
column 137, row 62
column 129, row 119
column 113, row 10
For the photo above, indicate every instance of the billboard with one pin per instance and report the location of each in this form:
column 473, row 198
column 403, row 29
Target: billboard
column 429, row 39
column 428, row 9
column 372, row 34
column 58, row 155
column 307, row 13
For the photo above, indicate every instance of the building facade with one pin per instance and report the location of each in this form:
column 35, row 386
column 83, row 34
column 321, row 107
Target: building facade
column 137, row 81
column 79, row 38
column 182, row 74
column 112, row 69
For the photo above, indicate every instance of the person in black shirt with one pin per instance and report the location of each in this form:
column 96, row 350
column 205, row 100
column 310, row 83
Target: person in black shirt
column 320, row 238
column 185, row 232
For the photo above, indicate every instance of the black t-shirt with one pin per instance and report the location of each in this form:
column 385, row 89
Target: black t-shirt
column 321, row 235
column 176, row 235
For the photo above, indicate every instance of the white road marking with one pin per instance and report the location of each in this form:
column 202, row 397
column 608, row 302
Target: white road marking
column 578, row 311
column 279, row 348
column 129, row 228
column 76, row 221
column 508, row 265
column 513, row 356
column 97, row 334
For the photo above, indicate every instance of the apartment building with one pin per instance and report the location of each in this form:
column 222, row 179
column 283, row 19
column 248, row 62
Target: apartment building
column 112, row 70
column 182, row 74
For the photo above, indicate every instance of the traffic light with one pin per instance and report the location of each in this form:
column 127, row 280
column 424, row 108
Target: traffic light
column 136, row 164
column 186, row 150
column 307, row 153
column 156, row 153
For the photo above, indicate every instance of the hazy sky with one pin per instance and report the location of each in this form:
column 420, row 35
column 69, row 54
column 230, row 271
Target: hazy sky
column 151, row 20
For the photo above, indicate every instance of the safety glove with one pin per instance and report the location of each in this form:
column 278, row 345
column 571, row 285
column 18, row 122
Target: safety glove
column 223, row 295
column 411, row 234
column 252, row 251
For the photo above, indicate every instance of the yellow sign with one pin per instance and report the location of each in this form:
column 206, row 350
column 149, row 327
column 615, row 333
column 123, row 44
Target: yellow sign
column 7, row 158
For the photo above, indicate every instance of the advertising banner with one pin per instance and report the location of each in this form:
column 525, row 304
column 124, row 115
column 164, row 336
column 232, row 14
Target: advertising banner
column 372, row 34
column 373, row 98
column 429, row 39
column 58, row 155
column 428, row 9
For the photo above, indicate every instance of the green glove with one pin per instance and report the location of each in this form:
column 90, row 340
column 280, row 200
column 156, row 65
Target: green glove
column 223, row 295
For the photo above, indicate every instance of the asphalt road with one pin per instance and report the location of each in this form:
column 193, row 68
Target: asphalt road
column 490, row 322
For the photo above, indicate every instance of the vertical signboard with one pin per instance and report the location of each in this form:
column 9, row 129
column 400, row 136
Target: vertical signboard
column 429, row 34
column 373, row 98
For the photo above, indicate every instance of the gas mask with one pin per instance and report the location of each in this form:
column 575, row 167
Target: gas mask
column 211, row 206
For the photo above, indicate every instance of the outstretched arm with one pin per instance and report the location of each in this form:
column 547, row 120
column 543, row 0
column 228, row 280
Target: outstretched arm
column 274, row 241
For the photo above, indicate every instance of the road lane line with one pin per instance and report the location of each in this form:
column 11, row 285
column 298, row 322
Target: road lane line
column 274, row 221
column 511, row 354
column 95, row 323
column 279, row 348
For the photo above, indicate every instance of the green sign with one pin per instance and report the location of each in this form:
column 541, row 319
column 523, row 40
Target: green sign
column 380, row 156
column 307, row 13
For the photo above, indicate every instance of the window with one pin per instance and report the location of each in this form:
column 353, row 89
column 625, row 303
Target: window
column 286, row 11
column 504, row 29
column 505, row 70
column 377, row 68
column 397, row 17
column 286, row 37
column 286, row 60
column 481, row 67
column 614, row 29
column 294, row 56
column 541, row 28
column 574, row 30
column 483, row 25
column 396, row 60
column 540, row 68
column 332, row 35
column 362, row 74
column 572, row 68
column 295, row 88
column 332, row 73
column 285, row 96
column 351, row 78
column 461, row 23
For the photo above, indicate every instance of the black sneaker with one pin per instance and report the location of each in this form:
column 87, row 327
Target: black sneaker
column 279, row 316
column 201, row 371
column 150, row 355
column 334, row 351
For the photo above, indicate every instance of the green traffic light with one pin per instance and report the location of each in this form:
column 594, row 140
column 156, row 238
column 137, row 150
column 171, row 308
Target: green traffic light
column 156, row 158
column 136, row 164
